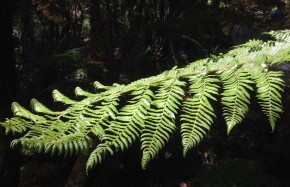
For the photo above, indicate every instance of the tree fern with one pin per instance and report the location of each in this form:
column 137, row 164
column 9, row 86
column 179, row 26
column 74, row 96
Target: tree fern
column 146, row 110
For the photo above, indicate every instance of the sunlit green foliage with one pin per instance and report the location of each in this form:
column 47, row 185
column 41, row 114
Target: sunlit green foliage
column 146, row 110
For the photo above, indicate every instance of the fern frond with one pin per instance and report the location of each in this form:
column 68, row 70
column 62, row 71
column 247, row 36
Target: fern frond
column 160, row 120
column 235, row 98
column 16, row 125
column 149, row 106
column 269, row 87
column 197, row 112
column 24, row 120
column 126, row 128
column 69, row 127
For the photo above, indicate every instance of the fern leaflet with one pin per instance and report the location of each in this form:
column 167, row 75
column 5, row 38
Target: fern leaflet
column 126, row 128
column 269, row 88
column 235, row 98
column 197, row 112
column 160, row 120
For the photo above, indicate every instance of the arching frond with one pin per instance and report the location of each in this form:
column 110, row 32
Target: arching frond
column 145, row 110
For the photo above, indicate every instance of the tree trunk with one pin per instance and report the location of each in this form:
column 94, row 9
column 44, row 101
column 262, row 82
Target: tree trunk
column 125, row 41
column 9, row 159
column 27, row 36
column 78, row 177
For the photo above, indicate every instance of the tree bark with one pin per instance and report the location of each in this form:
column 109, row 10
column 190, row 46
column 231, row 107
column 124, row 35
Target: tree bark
column 96, row 30
column 78, row 177
column 125, row 41
column 27, row 36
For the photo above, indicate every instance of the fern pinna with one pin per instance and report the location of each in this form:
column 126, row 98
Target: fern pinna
column 150, row 106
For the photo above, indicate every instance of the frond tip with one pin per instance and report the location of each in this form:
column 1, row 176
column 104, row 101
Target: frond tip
column 147, row 110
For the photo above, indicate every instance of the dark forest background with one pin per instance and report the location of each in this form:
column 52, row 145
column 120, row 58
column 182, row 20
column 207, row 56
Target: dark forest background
column 61, row 44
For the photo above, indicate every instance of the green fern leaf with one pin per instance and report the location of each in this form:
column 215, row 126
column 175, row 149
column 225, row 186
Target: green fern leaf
column 69, row 127
column 160, row 120
column 59, row 97
column 151, row 105
column 235, row 98
column 197, row 112
column 16, row 125
column 269, row 88
column 126, row 128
